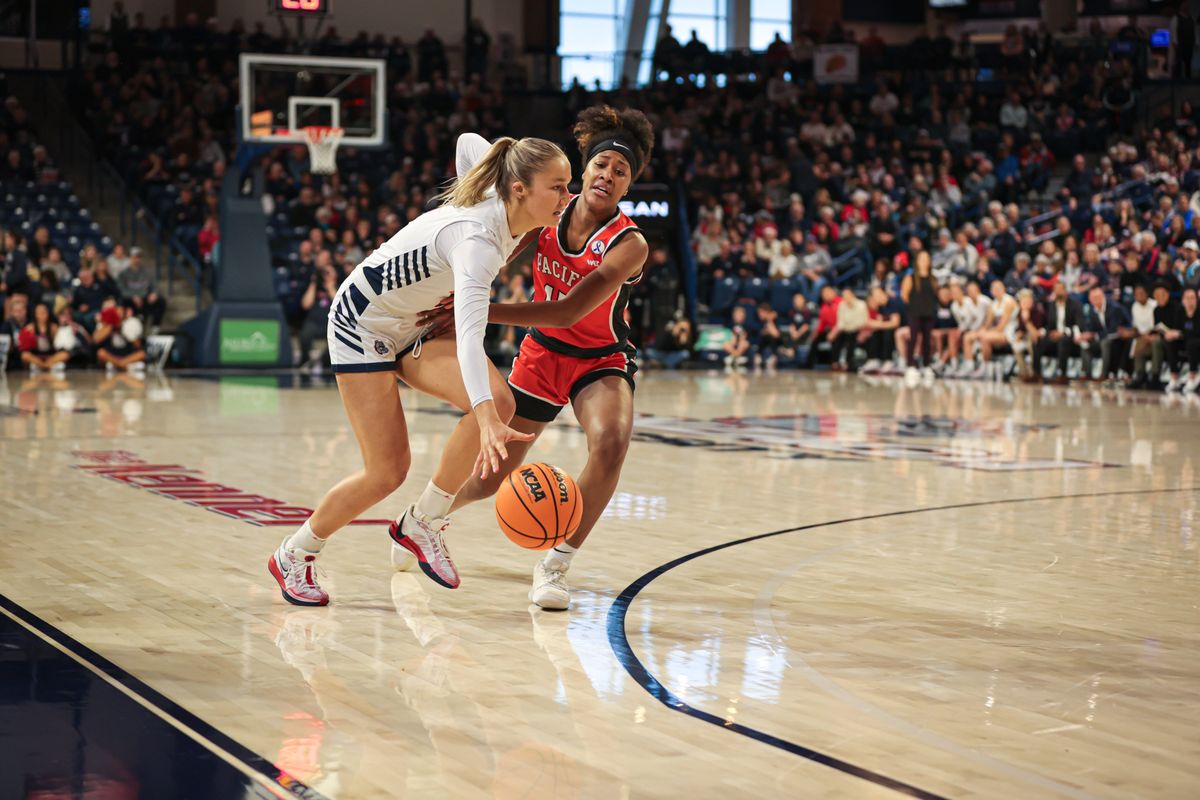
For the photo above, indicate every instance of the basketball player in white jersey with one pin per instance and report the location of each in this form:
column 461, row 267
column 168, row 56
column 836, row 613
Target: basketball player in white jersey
column 503, row 191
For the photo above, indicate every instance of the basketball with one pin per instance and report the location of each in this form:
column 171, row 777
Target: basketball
column 538, row 506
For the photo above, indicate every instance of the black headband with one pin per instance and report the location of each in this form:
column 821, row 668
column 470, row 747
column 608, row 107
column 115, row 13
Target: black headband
column 620, row 146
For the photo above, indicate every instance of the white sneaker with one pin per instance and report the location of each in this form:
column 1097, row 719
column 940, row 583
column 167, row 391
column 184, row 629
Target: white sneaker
column 34, row 369
column 422, row 536
column 966, row 370
column 297, row 576
column 549, row 587
column 110, row 368
column 927, row 373
column 58, row 368
column 1172, row 385
column 912, row 375
column 136, row 368
column 772, row 362
column 871, row 366
column 980, row 373
column 1193, row 383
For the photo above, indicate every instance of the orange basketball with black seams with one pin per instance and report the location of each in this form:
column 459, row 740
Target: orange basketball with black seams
column 538, row 505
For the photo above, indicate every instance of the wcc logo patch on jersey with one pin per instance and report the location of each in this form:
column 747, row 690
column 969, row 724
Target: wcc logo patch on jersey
column 598, row 247
column 381, row 348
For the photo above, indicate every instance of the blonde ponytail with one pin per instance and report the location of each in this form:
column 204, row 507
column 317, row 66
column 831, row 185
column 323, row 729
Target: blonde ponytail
column 508, row 160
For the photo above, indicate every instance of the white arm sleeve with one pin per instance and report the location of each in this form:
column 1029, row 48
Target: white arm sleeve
column 475, row 261
column 470, row 148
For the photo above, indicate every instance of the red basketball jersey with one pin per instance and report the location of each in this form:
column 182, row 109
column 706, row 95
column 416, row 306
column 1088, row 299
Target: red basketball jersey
column 557, row 270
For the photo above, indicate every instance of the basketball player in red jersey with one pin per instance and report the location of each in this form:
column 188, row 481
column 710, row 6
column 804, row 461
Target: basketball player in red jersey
column 578, row 351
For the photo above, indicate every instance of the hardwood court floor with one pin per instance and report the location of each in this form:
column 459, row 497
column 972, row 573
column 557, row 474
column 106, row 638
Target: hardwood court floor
column 967, row 590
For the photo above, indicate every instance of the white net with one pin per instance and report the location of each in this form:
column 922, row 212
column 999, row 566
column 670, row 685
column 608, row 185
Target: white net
column 322, row 148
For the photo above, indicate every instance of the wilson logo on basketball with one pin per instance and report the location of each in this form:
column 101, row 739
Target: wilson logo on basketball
column 564, row 494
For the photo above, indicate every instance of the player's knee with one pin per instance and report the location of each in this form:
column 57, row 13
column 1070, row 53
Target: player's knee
column 387, row 477
column 608, row 447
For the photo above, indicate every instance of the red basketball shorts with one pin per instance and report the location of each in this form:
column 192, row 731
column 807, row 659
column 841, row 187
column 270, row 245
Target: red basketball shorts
column 544, row 381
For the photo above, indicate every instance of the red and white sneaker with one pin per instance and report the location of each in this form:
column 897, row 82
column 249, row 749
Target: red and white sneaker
column 422, row 536
column 297, row 577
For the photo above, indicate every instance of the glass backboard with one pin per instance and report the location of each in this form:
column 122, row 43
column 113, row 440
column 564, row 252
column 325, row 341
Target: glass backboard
column 282, row 94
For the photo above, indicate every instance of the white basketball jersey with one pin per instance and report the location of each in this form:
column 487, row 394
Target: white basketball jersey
column 411, row 271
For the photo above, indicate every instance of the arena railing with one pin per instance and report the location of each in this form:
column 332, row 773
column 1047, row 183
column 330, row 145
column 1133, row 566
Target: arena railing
column 79, row 149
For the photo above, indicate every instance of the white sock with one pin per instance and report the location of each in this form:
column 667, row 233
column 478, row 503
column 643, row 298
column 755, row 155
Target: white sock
column 434, row 502
column 304, row 539
column 560, row 557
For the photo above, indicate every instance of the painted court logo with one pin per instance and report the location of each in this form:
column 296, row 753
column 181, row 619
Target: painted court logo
column 177, row 482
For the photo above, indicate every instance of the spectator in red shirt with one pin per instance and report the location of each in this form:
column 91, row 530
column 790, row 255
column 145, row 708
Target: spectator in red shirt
column 208, row 237
column 825, row 230
column 856, row 210
column 827, row 316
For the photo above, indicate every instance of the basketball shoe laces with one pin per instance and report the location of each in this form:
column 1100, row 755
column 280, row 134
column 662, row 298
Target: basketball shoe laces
column 434, row 534
column 555, row 578
column 303, row 571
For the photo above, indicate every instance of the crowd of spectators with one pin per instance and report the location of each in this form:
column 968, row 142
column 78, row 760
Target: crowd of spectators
column 810, row 205
column 813, row 205
column 63, row 300
column 162, row 110
column 160, row 102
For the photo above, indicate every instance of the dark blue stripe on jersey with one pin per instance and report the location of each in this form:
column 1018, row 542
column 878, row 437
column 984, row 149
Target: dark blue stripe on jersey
column 344, row 308
column 343, row 320
column 374, row 276
column 348, row 343
column 425, row 260
column 359, row 300
column 374, row 366
column 339, row 324
column 407, row 276
column 416, row 269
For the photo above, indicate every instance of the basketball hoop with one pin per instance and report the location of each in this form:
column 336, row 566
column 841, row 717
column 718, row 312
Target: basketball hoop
column 322, row 144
